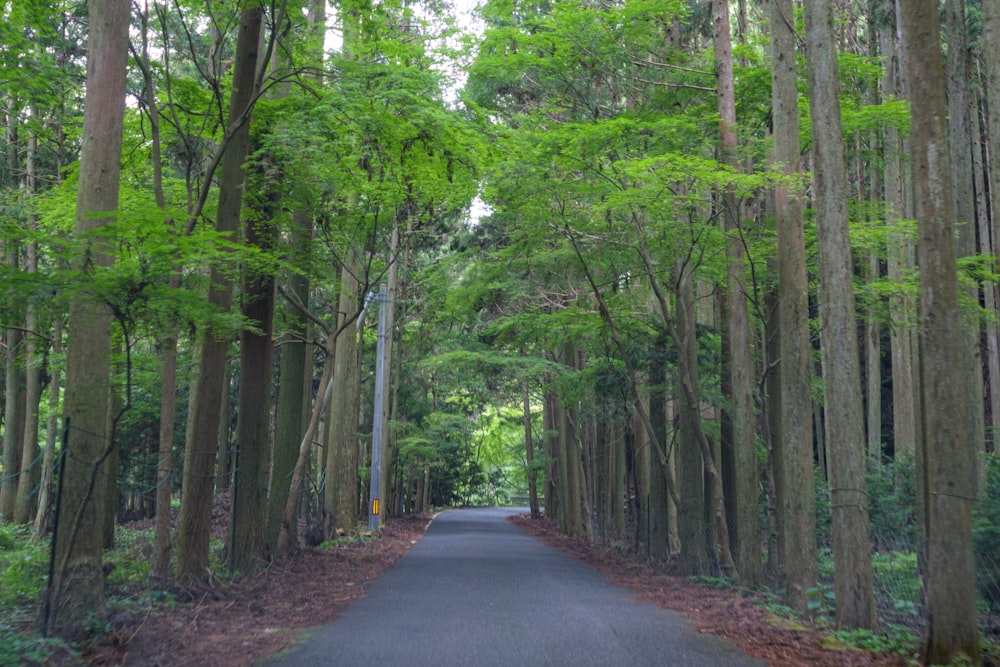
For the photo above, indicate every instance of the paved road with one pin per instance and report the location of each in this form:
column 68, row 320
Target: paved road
column 478, row 591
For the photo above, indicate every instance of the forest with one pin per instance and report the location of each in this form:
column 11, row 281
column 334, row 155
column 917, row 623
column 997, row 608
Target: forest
column 713, row 282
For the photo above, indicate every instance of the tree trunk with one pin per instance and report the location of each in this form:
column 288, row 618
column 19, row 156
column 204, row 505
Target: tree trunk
column 844, row 422
column 249, row 548
column 76, row 588
column 952, row 631
column 771, row 391
column 691, row 460
column 793, row 449
column 529, row 452
column 899, row 260
column 657, row 523
column 286, row 536
column 741, row 450
column 961, row 115
column 203, row 418
column 13, row 424
column 296, row 369
column 42, row 515
column 25, row 508
column 991, row 60
column 342, row 482
column 292, row 412
column 553, row 487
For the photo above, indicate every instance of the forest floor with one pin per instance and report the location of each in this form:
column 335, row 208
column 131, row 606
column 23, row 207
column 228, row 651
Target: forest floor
column 259, row 615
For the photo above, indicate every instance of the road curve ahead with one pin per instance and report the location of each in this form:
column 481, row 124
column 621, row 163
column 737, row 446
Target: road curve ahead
column 478, row 591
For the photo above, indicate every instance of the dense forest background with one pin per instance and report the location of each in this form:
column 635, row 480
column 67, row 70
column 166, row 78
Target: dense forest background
column 713, row 282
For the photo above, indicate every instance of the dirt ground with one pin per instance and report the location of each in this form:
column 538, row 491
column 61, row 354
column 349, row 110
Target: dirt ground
column 261, row 614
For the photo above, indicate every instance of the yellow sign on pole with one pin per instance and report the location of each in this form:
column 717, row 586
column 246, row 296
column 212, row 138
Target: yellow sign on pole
column 375, row 506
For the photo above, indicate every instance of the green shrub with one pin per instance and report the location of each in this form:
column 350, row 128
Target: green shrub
column 24, row 568
column 894, row 639
column 986, row 536
column 896, row 578
column 18, row 648
column 892, row 504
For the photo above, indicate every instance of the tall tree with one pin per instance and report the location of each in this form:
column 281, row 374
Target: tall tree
column 342, row 481
column 203, row 415
column 76, row 589
column 794, row 446
column 899, row 252
column 249, row 548
column 952, row 630
column 741, row 499
column 962, row 112
column 844, row 424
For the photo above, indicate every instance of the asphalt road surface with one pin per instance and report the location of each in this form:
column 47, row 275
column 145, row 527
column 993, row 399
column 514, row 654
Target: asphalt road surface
column 478, row 591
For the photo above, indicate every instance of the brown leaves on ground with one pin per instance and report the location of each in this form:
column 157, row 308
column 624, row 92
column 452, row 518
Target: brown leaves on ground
column 261, row 614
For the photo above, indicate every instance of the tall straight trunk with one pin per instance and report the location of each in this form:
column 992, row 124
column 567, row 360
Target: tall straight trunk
column 657, row 523
column 295, row 369
column 553, row 486
column 952, row 631
column 991, row 335
column 160, row 568
column 569, row 458
column 586, row 457
column 225, row 451
column 27, row 487
column 292, row 412
column 691, row 475
column 342, row 482
column 42, row 515
column 741, row 502
column 13, row 339
column 76, row 588
column 13, row 423
column 203, row 419
column 249, row 548
column 844, row 423
column 873, row 370
column 991, row 60
column 602, row 469
column 961, row 115
column 771, row 392
column 618, row 479
column 792, row 449
column 899, row 259
column 529, row 451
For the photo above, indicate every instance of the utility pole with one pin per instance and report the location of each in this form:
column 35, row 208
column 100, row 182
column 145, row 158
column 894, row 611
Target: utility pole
column 378, row 423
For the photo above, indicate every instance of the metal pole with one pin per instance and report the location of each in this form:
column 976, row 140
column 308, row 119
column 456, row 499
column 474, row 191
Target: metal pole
column 378, row 422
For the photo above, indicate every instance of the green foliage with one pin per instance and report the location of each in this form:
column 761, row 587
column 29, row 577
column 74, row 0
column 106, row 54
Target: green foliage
column 130, row 558
column 821, row 602
column 892, row 504
column 897, row 580
column 893, row 639
column 986, row 535
column 823, row 520
column 21, row 648
column 24, row 569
